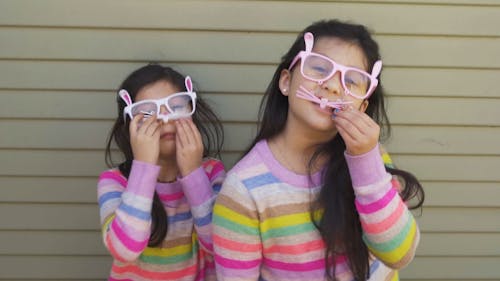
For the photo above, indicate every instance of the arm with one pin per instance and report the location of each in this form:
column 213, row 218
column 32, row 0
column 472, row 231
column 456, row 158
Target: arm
column 200, row 188
column 390, row 230
column 125, row 209
column 237, row 243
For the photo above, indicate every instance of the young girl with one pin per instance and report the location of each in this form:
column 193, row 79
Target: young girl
column 312, row 200
column 156, row 206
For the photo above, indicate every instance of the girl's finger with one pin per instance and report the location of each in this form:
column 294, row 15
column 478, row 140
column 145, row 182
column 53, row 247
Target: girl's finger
column 153, row 126
column 349, row 127
column 144, row 123
column 181, row 133
column 357, row 117
column 196, row 132
column 134, row 124
column 345, row 136
column 191, row 130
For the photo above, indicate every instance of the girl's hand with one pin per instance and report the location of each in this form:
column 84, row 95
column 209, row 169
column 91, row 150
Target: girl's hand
column 359, row 131
column 145, row 138
column 189, row 146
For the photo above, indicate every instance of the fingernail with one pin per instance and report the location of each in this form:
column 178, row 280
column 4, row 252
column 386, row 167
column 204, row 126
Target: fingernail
column 335, row 111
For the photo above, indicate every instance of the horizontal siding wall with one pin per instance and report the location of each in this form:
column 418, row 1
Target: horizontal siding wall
column 61, row 61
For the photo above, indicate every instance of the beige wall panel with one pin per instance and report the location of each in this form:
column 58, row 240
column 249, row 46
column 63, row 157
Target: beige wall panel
column 444, row 111
column 232, row 47
column 85, row 75
column 39, row 216
column 40, row 105
column 444, row 82
column 451, row 219
column 143, row 45
column 444, row 140
column 241, row 15
column 54, row 134
column 462, row 194
column 92, row 76
column 450, row 167
column 459, row 244
column 453, row 268
column 48, row 189
column 78, row 243
column 54, row 267
column 435, row 51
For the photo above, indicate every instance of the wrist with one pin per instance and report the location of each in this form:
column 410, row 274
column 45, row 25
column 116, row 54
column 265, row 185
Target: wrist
column 146, row 159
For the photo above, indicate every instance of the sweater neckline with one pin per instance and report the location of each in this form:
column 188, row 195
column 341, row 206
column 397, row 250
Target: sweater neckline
column 284, row 174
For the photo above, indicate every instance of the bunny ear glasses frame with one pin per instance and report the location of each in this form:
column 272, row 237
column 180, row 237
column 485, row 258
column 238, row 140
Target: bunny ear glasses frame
column 318, row 68
column 179, row 105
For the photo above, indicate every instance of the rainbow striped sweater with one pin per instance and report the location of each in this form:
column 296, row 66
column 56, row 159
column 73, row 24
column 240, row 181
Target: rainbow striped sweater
column 263, row 229
column 125, row 211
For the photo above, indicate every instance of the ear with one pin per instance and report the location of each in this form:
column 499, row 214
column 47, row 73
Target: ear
column 284, row 82
column 189, row 84
column 124, row 95
column 364, row 105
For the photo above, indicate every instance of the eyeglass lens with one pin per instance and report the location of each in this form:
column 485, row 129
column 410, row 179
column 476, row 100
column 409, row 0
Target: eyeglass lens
column 182, row 104
column 319, row 68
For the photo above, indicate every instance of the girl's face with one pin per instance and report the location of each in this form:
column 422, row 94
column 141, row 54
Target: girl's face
column 158, row 90
column 308, row 114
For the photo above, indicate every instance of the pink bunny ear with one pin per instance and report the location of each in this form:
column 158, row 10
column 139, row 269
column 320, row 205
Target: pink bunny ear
column 309, row 40
column 377, row 68
column 189, row 84
column 125, row 96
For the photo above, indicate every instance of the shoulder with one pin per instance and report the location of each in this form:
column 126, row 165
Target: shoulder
column 113, row 175
column 253, row 158
column 252, row 171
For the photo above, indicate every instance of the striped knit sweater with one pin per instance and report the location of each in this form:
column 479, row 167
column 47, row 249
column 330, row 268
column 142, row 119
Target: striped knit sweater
column 125, row 211
column 263, row 229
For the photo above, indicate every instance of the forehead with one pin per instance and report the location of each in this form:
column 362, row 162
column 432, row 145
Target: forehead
column 341, row 51
column 157, row 90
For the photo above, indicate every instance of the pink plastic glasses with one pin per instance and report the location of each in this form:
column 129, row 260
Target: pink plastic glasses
column 179, row 105
column 318, row 68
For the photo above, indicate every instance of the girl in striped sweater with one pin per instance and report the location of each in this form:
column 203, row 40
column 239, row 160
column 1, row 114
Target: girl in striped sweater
column 156, row 205
column 312, row 199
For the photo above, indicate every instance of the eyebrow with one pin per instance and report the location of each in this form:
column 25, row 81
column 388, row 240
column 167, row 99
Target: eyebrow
column 364, row 68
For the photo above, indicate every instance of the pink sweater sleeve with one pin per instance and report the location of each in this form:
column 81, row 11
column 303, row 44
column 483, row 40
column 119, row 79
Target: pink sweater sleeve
column 200, row 188
column 389, row 229
column 125, row 209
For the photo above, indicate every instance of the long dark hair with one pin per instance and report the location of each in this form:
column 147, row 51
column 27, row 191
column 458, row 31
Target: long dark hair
column 205, row 119
column 340, row 220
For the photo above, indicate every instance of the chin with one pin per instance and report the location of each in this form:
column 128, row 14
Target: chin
column 167, row 149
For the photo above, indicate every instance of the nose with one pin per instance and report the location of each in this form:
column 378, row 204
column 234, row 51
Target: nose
column 164, row 111
column 333, row 85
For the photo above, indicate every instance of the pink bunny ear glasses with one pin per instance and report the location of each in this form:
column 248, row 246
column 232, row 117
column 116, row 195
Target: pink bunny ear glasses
column 179, row 105
column 318, row 68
